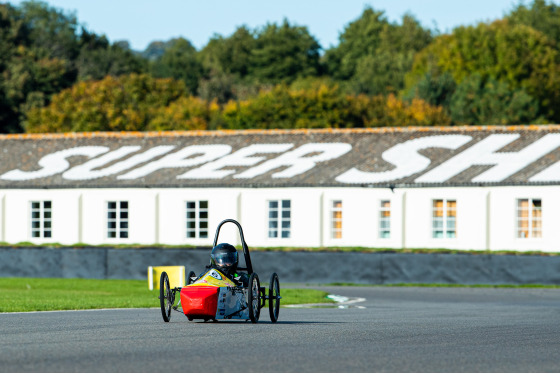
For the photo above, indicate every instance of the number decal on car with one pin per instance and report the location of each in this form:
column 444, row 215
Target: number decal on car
column 215, row 274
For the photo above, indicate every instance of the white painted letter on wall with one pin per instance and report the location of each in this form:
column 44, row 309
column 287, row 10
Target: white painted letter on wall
column 85, row 171
column 54, row 163
column 406, row 159
column 242, row 157
column 550, row 174
column 484, row 153
column 296, row 161
column 181, row 159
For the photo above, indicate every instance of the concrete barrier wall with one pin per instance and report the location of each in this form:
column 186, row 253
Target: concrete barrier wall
column 300, row 267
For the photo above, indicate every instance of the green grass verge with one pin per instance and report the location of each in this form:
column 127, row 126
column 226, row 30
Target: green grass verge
column 295, row 249
column 43, row 294
column 446, row 285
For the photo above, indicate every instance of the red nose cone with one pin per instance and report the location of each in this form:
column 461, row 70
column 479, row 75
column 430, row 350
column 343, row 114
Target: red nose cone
column 200, row 302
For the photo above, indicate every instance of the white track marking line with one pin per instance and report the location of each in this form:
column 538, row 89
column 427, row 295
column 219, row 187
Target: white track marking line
column 342, row 302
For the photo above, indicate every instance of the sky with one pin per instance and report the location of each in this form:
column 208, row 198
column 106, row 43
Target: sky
column 143, row 21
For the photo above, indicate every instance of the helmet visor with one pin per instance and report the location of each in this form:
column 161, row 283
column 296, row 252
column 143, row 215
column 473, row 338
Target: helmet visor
column 225, row 259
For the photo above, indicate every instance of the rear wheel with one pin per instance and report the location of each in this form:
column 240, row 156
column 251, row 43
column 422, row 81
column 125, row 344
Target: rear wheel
column 165, row 297
column 274, row 297
column 191, row 277
column 253, row 298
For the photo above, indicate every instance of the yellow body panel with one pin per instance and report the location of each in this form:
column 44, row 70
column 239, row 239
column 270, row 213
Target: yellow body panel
column 213, row 278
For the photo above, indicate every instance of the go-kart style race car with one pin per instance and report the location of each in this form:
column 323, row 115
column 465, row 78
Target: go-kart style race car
column 213, row 296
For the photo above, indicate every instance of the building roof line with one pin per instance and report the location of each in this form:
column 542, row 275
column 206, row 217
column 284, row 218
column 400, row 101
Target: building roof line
column 218, row 133
column 391, row 186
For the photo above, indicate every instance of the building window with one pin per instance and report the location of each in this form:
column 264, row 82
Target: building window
column 41, row 219
column 336, row 219
column 385, row 219
column 444, row 219
column 279, row 221
column 117, row 219
column 529, row 218
column 197, row 219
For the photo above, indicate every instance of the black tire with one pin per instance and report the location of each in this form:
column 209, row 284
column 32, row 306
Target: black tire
column 274, row 297
column 190, row 276
column 253, row 298
column 165, row 297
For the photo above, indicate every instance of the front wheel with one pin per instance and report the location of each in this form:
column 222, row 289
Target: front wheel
column 274, row 297
column 253, row 298
column 165, row 297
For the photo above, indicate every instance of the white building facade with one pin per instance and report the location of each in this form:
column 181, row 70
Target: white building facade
column 490, row 188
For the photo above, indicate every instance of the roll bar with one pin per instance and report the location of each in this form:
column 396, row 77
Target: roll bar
column 249, row 266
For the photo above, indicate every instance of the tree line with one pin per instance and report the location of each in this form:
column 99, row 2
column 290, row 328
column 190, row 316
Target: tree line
column 58, row 76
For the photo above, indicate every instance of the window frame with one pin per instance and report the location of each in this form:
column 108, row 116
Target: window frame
column 336, row 209
column 444, row 218
column 382, row 218
column 118, row 230
column 197, row 230
column 279, row 219
column 530, row 219
column 42, row 220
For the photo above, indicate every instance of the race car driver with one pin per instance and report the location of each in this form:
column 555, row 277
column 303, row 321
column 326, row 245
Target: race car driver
column 224, row 258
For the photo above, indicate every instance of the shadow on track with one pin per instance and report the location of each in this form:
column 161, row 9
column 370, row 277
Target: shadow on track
column 239, row 322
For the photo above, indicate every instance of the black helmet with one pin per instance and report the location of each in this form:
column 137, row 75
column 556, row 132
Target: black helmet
column 224, row 258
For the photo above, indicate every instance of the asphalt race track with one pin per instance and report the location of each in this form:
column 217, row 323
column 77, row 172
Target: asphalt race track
column 400, row 329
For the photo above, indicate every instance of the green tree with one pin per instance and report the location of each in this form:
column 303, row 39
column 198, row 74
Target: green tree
column 231, row 55
column 322, row 105
column 12, row 33
column 227, row 63
column 218, row 86
column 374, row 54
column 247, row 61
column 283, row 107
column 435, row 89
column 381, row 73
column 480, row 102
column 28, row 74
column 41, row 54
column 54, row 34
column 517, row 55
column 179, row 61
column 125, row 103
column 360, row 38
column 36, row 45
column 540, row 15
column 155, row 50
column 185, row 113
column 98, row 58
column 51, row 31
column 283, row 53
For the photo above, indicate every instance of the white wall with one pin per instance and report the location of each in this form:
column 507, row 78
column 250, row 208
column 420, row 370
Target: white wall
column 503, row 218
column 222, row 204
column 64, row 215
column 305, row 219
column 471, row 218
column 141, row 208
column 159, row 216
column 360, row 217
